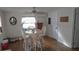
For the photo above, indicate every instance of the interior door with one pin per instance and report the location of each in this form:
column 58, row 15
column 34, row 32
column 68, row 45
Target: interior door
column 76, row 29
column 54, row 27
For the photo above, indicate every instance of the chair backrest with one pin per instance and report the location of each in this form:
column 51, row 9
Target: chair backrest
column 43, row 30
column 23, row 33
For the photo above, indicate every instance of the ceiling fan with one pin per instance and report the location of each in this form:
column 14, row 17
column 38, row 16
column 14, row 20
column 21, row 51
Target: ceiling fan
column 36, row 11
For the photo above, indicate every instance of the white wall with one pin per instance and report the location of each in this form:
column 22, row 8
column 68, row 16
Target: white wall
column 65, row 29
column 15, row 30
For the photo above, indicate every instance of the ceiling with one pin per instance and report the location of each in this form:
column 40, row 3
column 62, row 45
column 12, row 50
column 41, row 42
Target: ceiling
column 27, row 9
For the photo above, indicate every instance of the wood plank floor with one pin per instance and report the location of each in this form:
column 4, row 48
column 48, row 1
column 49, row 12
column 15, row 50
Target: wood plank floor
column 49, row 45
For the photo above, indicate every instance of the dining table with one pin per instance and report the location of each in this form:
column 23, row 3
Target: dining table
column 32, row 39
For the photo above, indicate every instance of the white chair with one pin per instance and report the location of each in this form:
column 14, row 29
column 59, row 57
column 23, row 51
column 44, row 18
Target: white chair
column 38, row 40
column 41, row 37
column 27, row 41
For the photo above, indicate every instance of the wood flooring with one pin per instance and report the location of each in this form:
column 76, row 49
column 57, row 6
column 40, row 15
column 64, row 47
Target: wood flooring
column 49, row 45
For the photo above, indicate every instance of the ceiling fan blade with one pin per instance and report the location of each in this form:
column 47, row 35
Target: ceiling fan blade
column 41, row 12
column 35, row 11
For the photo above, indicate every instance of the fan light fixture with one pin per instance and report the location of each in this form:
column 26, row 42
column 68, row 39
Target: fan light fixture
column 34, row 10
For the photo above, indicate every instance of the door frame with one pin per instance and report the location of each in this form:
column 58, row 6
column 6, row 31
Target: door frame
column 73, row 41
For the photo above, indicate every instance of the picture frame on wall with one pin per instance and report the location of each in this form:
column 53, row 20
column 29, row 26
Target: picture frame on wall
column 13, row 20
column 64, row 19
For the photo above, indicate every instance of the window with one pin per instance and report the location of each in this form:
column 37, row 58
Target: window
column 28, row 22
